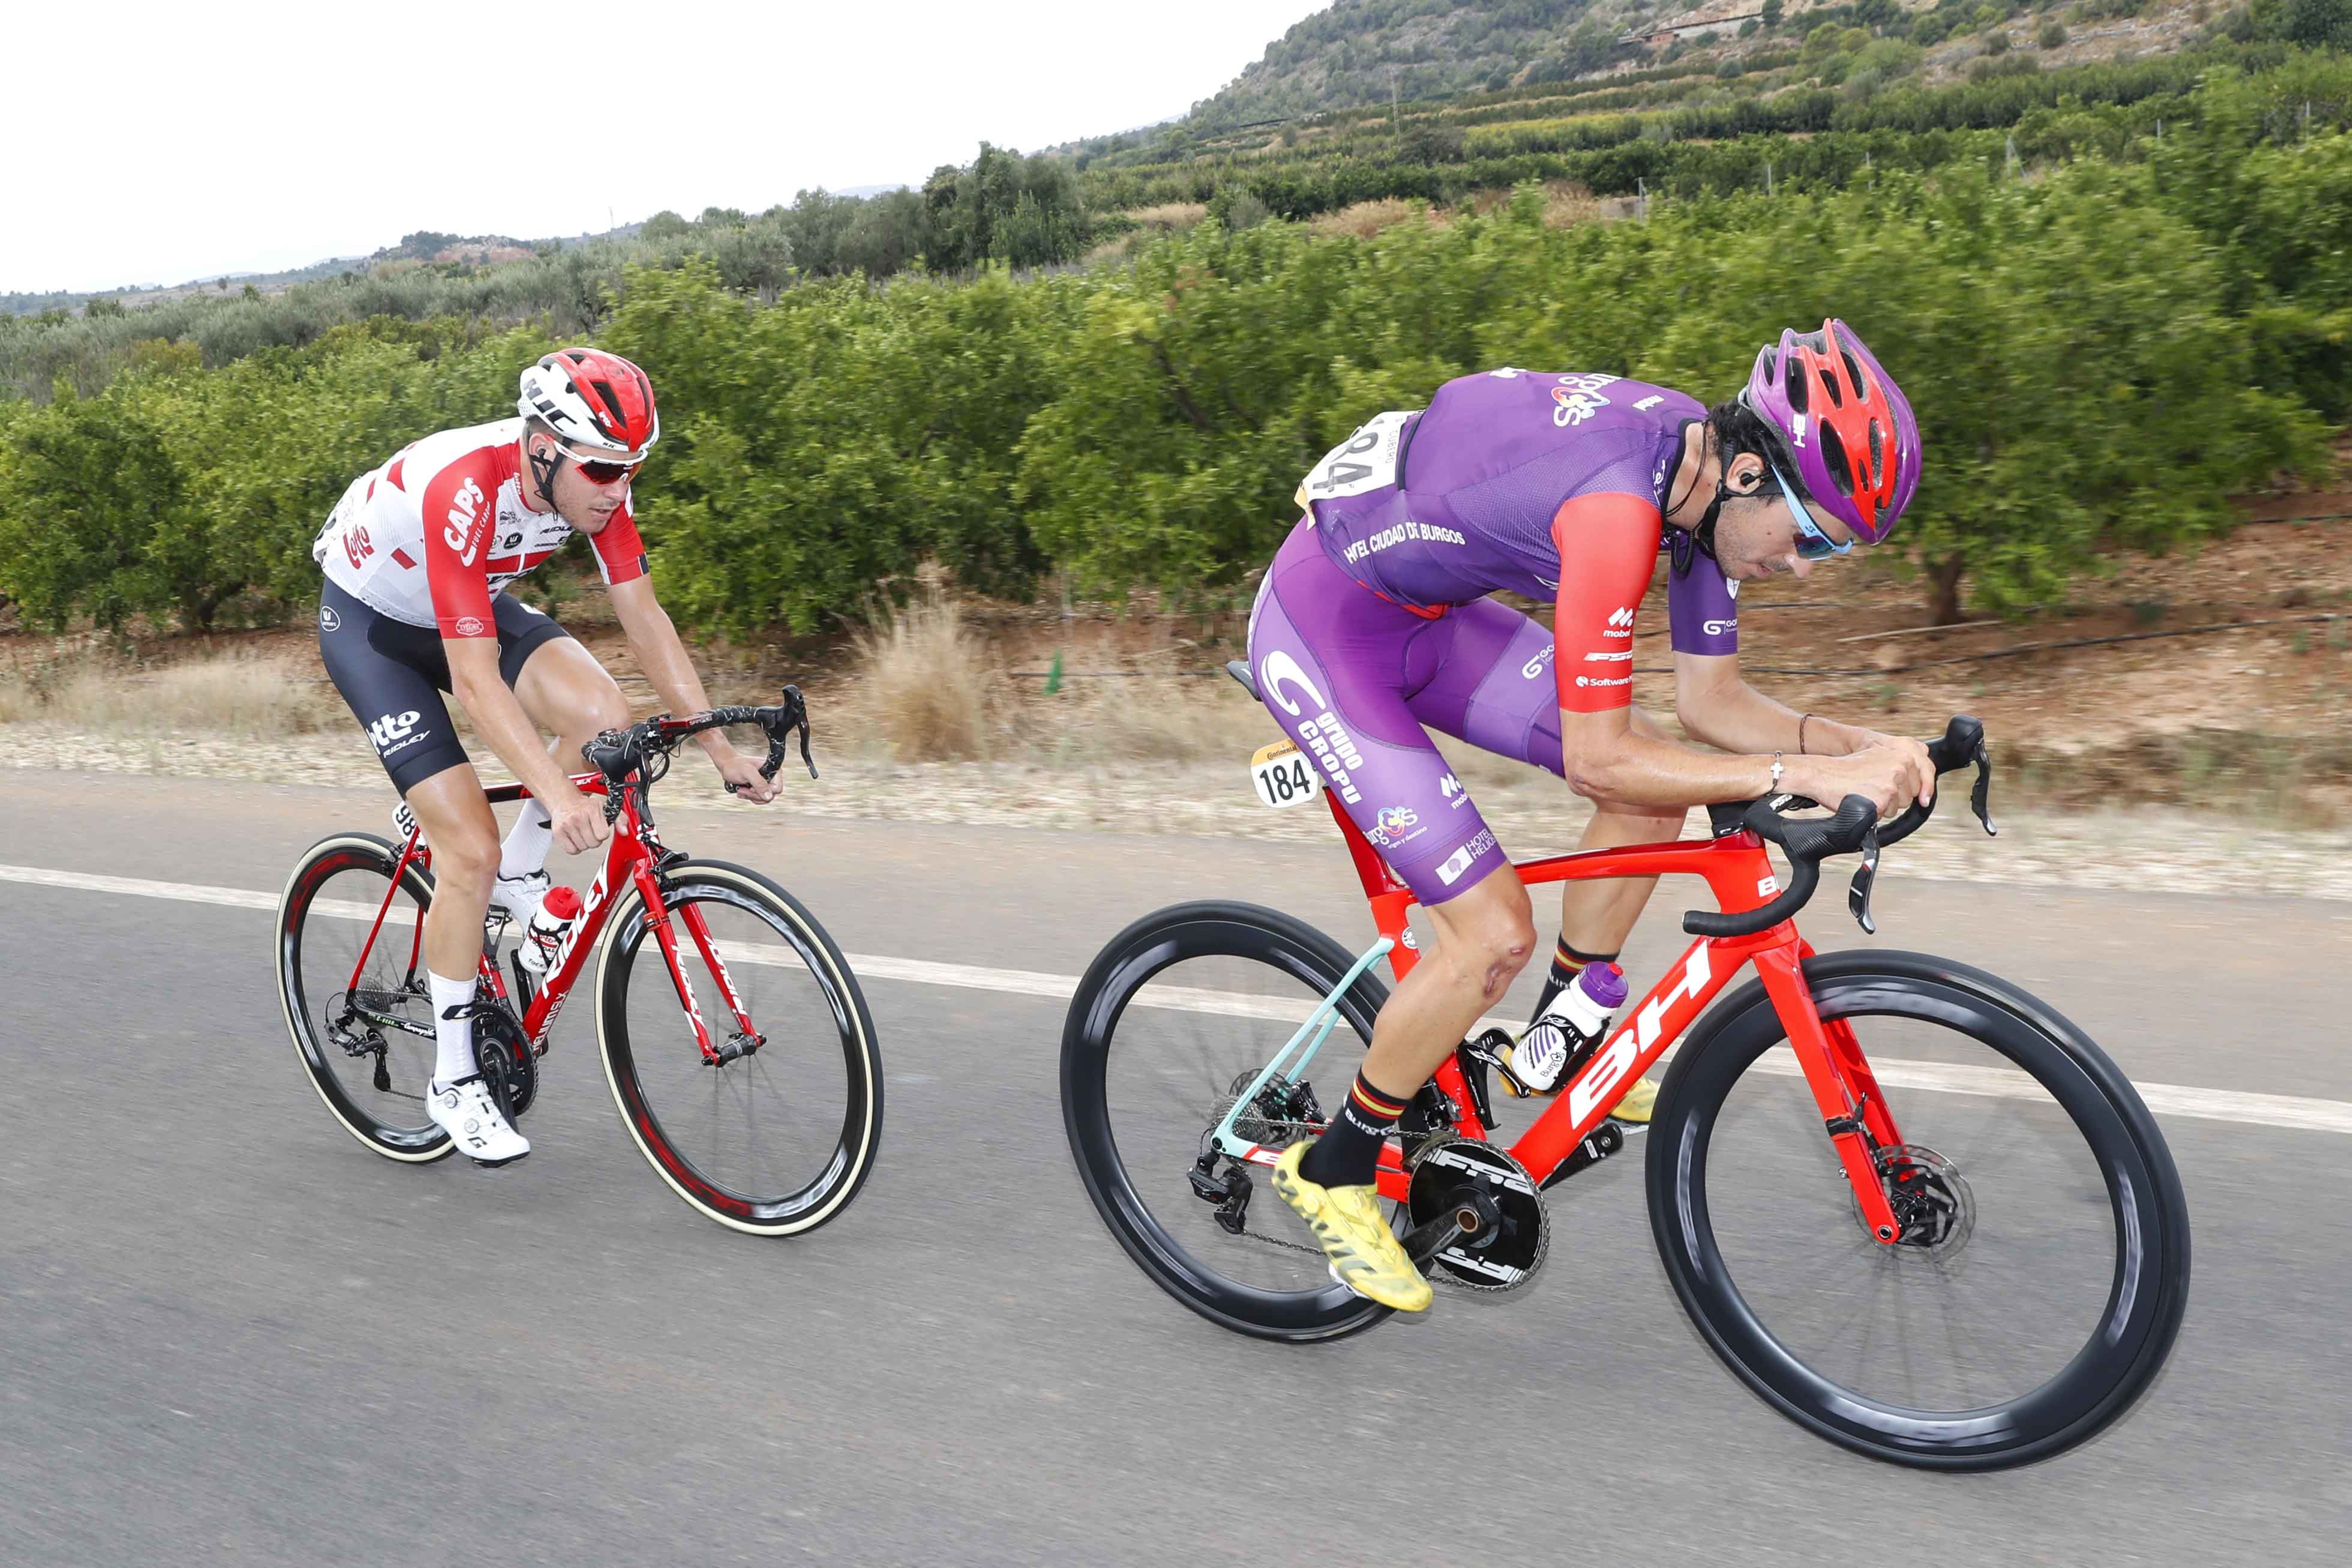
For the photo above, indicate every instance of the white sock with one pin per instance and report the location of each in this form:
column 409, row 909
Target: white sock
column 455, row 1036
column 525, row 849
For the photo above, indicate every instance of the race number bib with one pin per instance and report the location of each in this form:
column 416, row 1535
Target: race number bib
column 1365, row 461
column 1283, row 776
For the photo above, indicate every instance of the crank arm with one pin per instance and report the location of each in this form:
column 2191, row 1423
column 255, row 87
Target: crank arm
column 1468, row 1213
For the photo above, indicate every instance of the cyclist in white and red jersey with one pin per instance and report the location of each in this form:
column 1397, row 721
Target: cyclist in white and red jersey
column 417, row 555
column 1373, row 627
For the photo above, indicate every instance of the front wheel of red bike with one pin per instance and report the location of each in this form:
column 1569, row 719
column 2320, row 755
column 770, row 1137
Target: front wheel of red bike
column 773, row 1130
column 2043, row 1266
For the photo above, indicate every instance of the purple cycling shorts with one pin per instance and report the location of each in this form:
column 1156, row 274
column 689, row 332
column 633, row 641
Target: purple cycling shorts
column 1353, row 679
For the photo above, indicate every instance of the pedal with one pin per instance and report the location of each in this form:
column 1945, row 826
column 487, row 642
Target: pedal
column 1598, row 1146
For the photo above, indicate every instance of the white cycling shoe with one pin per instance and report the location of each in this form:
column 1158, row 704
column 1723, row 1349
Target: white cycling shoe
column 520, row 897
column 466, row 1112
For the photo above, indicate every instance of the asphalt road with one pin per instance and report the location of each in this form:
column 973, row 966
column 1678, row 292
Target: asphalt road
column 229, row 1334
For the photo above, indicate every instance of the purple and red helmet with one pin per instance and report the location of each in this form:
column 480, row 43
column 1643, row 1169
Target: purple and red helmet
column 1842, row 422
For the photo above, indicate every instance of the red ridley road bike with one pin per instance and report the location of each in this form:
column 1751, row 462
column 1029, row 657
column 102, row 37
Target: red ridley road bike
column 766, row 1118
column 1966, row 1248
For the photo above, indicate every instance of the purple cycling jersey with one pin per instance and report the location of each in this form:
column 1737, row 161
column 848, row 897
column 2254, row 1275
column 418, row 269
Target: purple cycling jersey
column 1450, row 504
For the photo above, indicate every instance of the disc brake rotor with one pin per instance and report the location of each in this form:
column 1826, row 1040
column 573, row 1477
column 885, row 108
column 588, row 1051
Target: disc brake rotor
column 1933, row 1202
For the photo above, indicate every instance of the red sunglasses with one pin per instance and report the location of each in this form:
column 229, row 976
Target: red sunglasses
column 600, row 471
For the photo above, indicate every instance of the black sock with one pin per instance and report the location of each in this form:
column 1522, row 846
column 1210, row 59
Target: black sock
column 1349, row 1152
column 1567, row 963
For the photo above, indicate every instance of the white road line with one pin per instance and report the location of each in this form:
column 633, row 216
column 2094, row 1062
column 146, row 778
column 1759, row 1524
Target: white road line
column 2290, row 1111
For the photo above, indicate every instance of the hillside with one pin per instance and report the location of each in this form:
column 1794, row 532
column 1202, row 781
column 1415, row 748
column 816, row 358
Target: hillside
column 1363, row 52
column 1372, row 53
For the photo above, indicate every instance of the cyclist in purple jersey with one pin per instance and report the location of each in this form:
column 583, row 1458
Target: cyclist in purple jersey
column 1373, row 627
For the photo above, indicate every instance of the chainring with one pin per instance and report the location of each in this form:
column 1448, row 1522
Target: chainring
column 504, row 1058
column 1514, row 1252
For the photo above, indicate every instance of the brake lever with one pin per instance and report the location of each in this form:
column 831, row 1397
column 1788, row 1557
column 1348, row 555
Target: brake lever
column 1865, row 877
column 1980, row 795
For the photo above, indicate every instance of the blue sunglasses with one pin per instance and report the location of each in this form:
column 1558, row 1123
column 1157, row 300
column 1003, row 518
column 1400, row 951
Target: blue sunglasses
column 1812, row 544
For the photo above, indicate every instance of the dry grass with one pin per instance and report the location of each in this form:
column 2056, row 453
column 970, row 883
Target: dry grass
column 213, row 692
column 927, row 690
column 934, row 687
column 1566, row 203
column 1168, row 217
column 1365, row 219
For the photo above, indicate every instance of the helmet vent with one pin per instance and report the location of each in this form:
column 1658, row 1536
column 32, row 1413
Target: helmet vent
column 1860, row 384
column 1797, row 399
column 1830, row 385
column 1833, row 454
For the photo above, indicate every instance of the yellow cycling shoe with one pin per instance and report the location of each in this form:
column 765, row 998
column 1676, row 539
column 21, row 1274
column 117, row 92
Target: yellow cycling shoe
column 1639, row 1101
column 1365, row 1254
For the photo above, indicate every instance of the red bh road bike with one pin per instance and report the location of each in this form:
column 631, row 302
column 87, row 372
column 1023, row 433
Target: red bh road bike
column 766, row 1118
column 1965, row 1248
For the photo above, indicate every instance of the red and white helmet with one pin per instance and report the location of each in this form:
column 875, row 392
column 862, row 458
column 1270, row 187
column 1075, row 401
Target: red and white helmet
column 596, row 403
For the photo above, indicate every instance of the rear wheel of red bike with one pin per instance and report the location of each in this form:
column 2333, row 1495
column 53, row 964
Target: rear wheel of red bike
column 1182, row 1011
column 351, row 975
column 2043, row 1266
column 775, row 1135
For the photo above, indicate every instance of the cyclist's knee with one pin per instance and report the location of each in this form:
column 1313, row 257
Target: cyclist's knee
column 599, row 707
column 1489, row 934
column 467, row 861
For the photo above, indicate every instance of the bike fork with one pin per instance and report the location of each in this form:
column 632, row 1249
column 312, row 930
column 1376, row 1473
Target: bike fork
column 1854, row 1113
column 665, row 931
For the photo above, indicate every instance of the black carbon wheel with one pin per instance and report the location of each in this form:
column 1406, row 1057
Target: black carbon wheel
column 1176, row 1010
column 2044, row 1268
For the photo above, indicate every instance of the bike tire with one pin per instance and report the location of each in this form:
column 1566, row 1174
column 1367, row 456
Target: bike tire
column 2134, row 1332
column 368, row 855
column 839, row 1177
column 1153, row 943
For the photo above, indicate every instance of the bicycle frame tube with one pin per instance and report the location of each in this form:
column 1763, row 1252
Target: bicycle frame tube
column 392, row 891
column 1739, row 874
column 1318, row 1024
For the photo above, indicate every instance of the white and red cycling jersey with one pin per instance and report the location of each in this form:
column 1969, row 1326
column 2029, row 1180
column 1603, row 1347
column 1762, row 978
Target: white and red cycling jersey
column 429, row 538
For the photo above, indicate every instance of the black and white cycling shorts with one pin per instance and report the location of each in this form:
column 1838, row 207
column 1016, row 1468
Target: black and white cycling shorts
column 392, row 675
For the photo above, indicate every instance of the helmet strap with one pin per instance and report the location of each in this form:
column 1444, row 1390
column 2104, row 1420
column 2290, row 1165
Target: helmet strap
column 543, row 469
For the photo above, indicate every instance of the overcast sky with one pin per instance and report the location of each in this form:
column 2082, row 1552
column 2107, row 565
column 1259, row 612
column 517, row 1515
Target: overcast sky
column 153, row 145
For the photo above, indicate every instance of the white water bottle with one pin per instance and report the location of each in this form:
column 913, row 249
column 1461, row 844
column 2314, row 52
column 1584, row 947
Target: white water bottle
column 1566, row 1032
column 542, row 936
